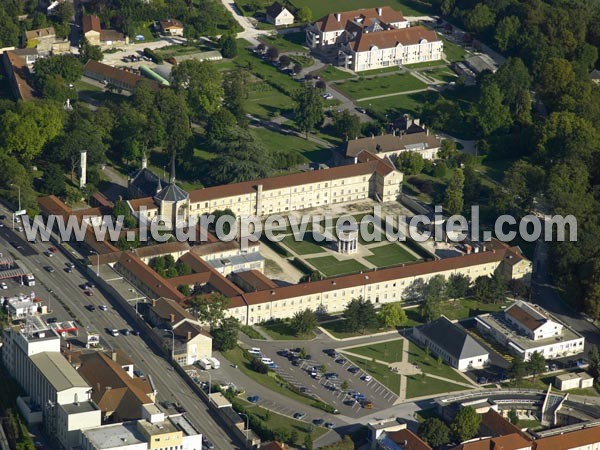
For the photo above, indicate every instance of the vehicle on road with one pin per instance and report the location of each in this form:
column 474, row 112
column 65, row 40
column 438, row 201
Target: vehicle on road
column 329, row 425
column 48, row 253
column 207, row 444
column 361, row 110
column 299, row 415
column 68, row 270
column 49, row 269
column 91, row 308
column 136, row 333
column 71, row 265
column 3, row 285
column 53, row 249
column 89, row 293
column 113, row 332
column 125, row 332
column 254, row 351
column 103, row 308
column 318, row 422
column 253, row 399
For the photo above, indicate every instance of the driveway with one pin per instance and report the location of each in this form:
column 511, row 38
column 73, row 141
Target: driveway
column 250, row 33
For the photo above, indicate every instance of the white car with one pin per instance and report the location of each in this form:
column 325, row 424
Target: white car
column 103, row 308
column 254, row 351
column 114, row 332
column 367, row 378
column 3, row 285
column 328, row 96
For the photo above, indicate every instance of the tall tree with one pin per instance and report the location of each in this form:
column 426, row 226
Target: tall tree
column 346, row 125
column 228, row 45
column 202, row 84
column 517, row 370
column 466, row 423
column 225, row 334
column 235, row 87
column 454, row 198
column 304, row 322
column 88, row 51
column 492, row 114
column 594, row 360
column 360, row 315
column 210, row 309
column 536, row 364
column 391, row 315
column 309, row 110
column 434, row 432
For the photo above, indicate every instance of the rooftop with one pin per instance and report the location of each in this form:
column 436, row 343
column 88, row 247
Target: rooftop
column 390, row 143
column 112, row 436
column 338, row 21
column 40, row 33
column 392, row 38
column 80, row 407
column 453, row 338
column 57, row 370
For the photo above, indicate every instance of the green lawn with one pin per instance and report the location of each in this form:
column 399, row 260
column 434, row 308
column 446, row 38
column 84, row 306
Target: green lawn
column 419, row 386
column 453, row 52
column 389, row 255
column 320, row 8
column 330, row 266
column 390, row 351
column 382, row 373
column 399, row 104
column 429, row 364
column 266, row 102
column 425, row 64
column 275, row 422
column 290, row 42
column 372, row 87
column 305, row 247
column 366, row 73
column 441, row 73
column 280, row 142
column 338, row 329
column 143, row 29
column 281, row 330
column 331, row 73
column 251, row 332
column 468, row 307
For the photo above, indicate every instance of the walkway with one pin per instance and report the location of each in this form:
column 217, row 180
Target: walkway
column 393, row 94
column 250, row 33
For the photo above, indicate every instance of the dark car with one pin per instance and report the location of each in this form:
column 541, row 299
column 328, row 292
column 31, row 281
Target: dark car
column 179, row 408
column 329, row 425
column 51, row 320
column 340, row 361
column 353, row 369
column 125, row 332
column 207, row 444
column 299, row 415
column 2, row 217
column 318, row 422
column 254, row 399
column 91, row 308
column 49, row 269
column 283, row 352
column 136, row 333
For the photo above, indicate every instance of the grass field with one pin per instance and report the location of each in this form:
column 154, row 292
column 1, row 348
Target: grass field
column 468, row 307
column 442, row 74
column 309, row 150
column 304, row 247
column 382, row 373
column 331, row 267
column 281, row 330
column 399, row 104
column 429, row 364
column 251, row 332
column 372, row 87
column 290, row 42
column 338, row 329
column 390, row 351
column 453, row 52
column 419, row 386
column 389, row 255
column 331, row 73
column 320, row 8
column 265, row 101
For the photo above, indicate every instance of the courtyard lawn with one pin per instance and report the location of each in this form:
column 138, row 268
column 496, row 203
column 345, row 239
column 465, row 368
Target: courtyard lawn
column 142, row 29
column 429, row 364
column 468, row 307
column 425, row 64
column 281, row 142
column 281, row 330
column 453, row 51
column 266, row 102
column 290, row 42
column 330, row 266
column 419, row 386
column 398, row 105
column 251, row 332
column 305, row 247
column 442, row 74
column 380, row 372
column 331, row 73
column 320, row 8
column 338, row 327
column 389, row 255
column 390, row 351
column 372, row 87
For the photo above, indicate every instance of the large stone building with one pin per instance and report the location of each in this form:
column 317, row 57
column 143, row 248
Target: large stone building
column 372, row 38
column 96, row 35
column 391, row 145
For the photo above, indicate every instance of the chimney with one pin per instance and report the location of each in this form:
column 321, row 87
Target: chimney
column 144, row 161
column 189, row 335
column 171, row 318
column 113, row 356
column 153, row 302
column 338, row 17
column 379, row 10
column 83, row 169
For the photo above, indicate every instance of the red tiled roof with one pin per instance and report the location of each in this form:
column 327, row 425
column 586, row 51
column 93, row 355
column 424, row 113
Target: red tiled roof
column 19, row 68
column 90, row 23
column 170, row 23
column 575, row 439
column 513, row 441
column 391, row 38
column 408, row 440
column 523, row 317
column 331, row 23
column 40, row 33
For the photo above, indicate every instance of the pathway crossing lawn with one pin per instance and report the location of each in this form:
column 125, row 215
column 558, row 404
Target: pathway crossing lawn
column 278, row 142
column 331, row 267
column 281, row 330
column 331, row 73
column 468, row 307
column 399, row 104
column 384, row 351
column 290, row 42
column 389, row 255
column 372, row 87
column 442, row 74
column 381, row 373
column 419, row 386
column 320, row 8
column 429, row 364
column 264, row 101
column 305, row 247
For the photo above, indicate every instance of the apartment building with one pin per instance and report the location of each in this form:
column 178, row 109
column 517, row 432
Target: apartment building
column 370, row 177
column 56, row 395
column 391, row 145
column 525, row 328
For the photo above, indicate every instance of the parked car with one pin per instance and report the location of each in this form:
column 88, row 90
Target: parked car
column 353, row 369
column 91, row 308
column 49, row 269
column 329, row 425
column 103, row 308
column 318, row 422
column 332, row 376
column 367, row 404
column 327, row 96
column 48, row 253
column 3, row 285
column 136, row 333
column 89, row 293
column 114, row 332
column 125, row 332
column 51, row 320
column 254, row 399
column 361, row 110
column 340, row 360
column 367, row 378
column 53, row 249
column 299, row 415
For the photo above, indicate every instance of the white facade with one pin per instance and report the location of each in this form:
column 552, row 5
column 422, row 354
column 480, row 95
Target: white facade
column 283, row 18
column 375, row 57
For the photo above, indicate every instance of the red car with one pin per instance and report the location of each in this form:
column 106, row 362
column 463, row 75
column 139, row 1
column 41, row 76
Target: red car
column 53, row 249
column 89, row 293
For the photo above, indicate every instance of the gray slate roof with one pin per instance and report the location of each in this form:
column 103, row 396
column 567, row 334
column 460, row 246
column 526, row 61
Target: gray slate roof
column 146, row 182
column 453, row 338
column 171, row 193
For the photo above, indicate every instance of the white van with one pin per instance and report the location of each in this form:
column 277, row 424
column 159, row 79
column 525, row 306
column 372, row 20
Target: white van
column 215, row 363
column 266, row 361
column 205, row 363
column 254, row 351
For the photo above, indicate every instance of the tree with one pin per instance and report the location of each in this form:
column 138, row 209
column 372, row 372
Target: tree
column 228, row 45
column 346, row 125
column 514, row 81
column 258, row 366
column 219, row 126
column 434, row 432
column 53, row 181
column 210, row 309
column 309, row 110
column 345, row 385
column 173, row 111
column 122, row 209
column 201, row 82
column 458, row 285
column 524, row 182
column 594, row 362
column 479, row 18
column 513, row 417
column 284, row 61
column 272, row 53
column 225, row 334
column 88, row 51
column 235, row 87
column 555, row 80
column 55, row 88
column 391, row 315
column 434, row 293
column 67, row 66
column 448, row 151
column 304, row 322
column 308, row 442
column 492, row 114
column 297, row 68
column 360, row 315
column 453, row 197
column 411, row 163
column 536, row 364
column 466, row 423
column 304, row 14
column 506, row 32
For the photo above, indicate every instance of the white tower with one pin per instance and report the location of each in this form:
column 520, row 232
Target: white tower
column 83, row 169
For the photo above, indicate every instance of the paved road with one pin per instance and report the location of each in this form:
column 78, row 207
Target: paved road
column 170, row 386
column 250, row 33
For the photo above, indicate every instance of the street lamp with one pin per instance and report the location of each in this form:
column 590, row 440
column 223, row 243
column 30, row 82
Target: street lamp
column 247, row 426
column 19, row 188
column 209, row 381
column 172, row 342
column 98, row 262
